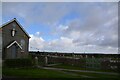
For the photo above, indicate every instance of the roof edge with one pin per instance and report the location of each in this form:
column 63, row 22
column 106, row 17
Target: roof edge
column 17, row 23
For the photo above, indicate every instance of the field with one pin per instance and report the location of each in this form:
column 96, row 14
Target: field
column 34, row 73
column 50, row 73
column 78, row 68
column 57, row 70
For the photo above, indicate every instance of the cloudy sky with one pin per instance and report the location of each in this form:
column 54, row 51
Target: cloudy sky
column 67, row 26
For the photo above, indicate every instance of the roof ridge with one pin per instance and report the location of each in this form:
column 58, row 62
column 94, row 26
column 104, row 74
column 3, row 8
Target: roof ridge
column 14, row 19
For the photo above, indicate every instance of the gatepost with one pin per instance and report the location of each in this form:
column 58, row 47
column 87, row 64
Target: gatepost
column 46, row 60
column 36, row 61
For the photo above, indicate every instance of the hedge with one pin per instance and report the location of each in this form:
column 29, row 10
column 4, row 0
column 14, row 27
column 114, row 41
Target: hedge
column 18, row 63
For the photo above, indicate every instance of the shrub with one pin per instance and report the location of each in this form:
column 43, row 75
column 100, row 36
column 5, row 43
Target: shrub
column 18, row 63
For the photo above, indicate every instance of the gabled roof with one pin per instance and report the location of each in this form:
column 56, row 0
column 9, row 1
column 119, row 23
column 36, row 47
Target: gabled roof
column 17, row 23
column 14, row 43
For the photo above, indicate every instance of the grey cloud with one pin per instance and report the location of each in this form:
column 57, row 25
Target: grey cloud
column 100, row 21
column 46, row 13
column 94, row 21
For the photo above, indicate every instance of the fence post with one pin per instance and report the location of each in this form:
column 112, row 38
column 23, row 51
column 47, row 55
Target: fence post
column 36, row 61
column 46, row 60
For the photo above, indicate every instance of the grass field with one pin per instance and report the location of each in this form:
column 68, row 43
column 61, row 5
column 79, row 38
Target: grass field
column 78, row 68
column 94, row 75
column 34, row 73
column 44, row 73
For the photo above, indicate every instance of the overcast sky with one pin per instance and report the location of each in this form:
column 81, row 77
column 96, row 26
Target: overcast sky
column 67, row 27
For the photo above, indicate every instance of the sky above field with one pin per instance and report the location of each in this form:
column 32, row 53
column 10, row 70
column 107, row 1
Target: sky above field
column 67, row 26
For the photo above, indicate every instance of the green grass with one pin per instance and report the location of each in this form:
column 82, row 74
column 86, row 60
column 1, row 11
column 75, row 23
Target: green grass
column 64, row 66
column 35, row 73
column 94, row 75
column 43, row 73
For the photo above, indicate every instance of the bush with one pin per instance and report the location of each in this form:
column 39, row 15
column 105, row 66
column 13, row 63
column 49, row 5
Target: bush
column 18, row 63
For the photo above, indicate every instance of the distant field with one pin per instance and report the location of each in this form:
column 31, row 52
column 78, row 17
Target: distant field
column 45, row 73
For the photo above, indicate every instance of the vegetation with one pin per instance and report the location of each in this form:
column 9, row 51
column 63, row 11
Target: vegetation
column 34, row 73
column 64, row 66
column 45, row 73
column 17, row 63
column 94, row 75
column 23, row 68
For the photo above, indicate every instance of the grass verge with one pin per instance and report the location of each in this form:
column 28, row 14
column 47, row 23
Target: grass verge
column 34, row 73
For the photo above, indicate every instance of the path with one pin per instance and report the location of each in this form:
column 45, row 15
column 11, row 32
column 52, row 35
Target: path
column 65, row 71
column 112, row 73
